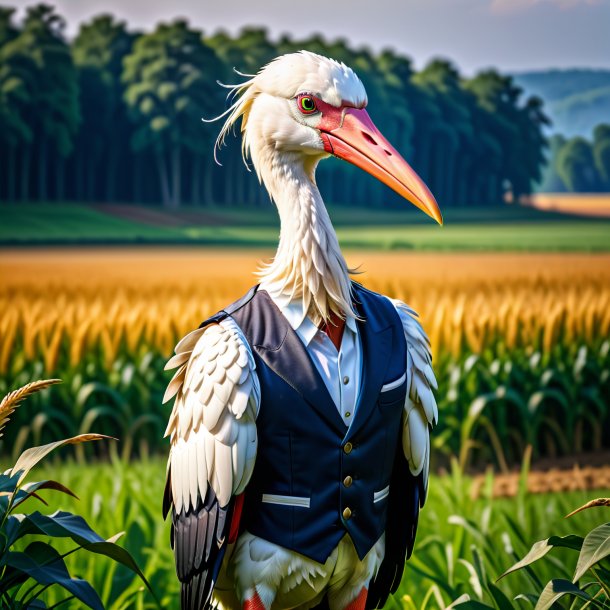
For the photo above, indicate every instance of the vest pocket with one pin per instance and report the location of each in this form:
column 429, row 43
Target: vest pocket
column 378, row 496
column 394, row 397
column 286, row 500
column 392, row 385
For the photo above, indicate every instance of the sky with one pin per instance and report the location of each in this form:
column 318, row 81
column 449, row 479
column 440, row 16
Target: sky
column 513, row 35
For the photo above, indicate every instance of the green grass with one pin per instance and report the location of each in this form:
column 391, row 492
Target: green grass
column 507, row 228
column 71, row 223
column 127, row 497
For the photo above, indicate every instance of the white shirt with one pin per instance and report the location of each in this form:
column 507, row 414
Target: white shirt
column 340, row 370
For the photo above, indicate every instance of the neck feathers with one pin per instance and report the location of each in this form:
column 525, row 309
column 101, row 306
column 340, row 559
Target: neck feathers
column 308, row 263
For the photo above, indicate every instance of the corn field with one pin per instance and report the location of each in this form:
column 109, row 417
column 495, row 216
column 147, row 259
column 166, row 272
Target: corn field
column 521, row 342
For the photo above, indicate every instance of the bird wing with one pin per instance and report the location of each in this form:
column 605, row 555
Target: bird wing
column 409, row 482
column 212, row 430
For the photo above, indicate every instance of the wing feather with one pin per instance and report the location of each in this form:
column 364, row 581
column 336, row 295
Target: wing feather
column 411, row 462
column 421, row 411
column 212, row 430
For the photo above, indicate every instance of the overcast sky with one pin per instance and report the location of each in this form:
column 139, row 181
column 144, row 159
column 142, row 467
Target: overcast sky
column 514, row 35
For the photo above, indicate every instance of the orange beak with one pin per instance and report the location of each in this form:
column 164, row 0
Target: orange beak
column 358, row 141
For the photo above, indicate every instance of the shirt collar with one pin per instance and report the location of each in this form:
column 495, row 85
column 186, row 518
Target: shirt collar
column 298, row 319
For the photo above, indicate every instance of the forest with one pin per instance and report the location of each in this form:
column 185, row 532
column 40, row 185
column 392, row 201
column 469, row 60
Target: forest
column 116, row 115
column 578, row 165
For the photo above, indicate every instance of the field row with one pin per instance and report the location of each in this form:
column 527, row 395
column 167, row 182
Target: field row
column 520, row 342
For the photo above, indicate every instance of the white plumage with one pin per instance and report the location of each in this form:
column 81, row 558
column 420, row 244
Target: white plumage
column 212, row 427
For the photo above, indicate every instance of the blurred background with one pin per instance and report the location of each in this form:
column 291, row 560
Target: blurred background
column 119, row 234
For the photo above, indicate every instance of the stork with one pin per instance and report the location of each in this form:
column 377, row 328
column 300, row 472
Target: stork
column 300, row 429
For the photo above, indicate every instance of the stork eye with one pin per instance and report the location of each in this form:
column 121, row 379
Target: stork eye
column 307, row 105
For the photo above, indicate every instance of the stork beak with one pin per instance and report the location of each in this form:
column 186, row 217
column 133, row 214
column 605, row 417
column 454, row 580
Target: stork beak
column 358, row 141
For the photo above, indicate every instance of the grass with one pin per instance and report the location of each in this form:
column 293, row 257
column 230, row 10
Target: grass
column 65, row 223
column 502, row 229
column 123, row 496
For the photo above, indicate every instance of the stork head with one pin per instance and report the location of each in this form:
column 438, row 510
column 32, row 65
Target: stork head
column 304, row 107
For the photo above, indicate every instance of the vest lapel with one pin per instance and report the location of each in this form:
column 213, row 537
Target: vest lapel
column 376, row 338
column 288, row 358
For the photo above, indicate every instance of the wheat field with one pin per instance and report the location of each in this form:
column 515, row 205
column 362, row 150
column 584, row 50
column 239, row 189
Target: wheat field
column 520, row 341
column 120, row 299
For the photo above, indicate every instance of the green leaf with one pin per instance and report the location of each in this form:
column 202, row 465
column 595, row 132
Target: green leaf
column 119, row 554
column 468, row 525
column 474, row 580
column 527, row 597
column 556, row 589
column 51, row 572
column 441, row 582
column 66, row 525
column 595, row 547
column 499, row 598
column 8, row 482
column 542, row 547
column 478, row 563
column 58, row 525
column 472, row 604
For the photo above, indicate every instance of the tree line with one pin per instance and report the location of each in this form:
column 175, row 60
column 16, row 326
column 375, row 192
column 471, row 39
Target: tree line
column 578, row 165
column 115, row 115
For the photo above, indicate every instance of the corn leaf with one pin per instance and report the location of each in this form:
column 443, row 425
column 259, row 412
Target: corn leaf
column 527, row 597
column 558, row 588
column 542, row 547
column 500, row 600
column 595, row 547
column 48, row 568
column 66, row 525
column 472, row 604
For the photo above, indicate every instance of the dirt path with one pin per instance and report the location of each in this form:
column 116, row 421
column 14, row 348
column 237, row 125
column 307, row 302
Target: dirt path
column 586, row 478
column 160, row 217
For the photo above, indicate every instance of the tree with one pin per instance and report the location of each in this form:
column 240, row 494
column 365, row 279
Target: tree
column 550, row 180
column 142, row 97
column 575, row 166
column 169, row 78
column 16, row 90
column 516, row 129
column 52, row 106
column 98, row 51
column 601, row 155
column 449, row 133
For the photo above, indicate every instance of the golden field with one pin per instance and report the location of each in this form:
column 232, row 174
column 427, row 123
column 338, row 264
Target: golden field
column 520, row 341
column 124, row 298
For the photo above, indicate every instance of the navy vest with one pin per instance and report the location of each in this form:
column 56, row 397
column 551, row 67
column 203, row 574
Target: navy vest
column 315, row 479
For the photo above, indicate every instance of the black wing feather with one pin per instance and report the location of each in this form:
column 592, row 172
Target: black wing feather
column 407, row 496
column 198, row 537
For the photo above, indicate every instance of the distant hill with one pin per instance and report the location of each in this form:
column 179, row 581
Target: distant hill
column 576, row 100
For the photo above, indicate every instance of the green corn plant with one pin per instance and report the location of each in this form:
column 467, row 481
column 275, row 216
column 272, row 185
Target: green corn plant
column 29, row 565
column 589, row 584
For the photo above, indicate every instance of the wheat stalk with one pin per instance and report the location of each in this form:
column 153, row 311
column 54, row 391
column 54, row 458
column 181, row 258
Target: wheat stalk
column 12, row 400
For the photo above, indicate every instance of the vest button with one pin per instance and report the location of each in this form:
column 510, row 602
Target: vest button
column 347, row 448
column 347, row 481
column 347, row 513
column 345, row 380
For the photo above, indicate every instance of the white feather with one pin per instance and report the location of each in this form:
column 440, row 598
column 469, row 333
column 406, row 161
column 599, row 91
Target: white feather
column 213, row 441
